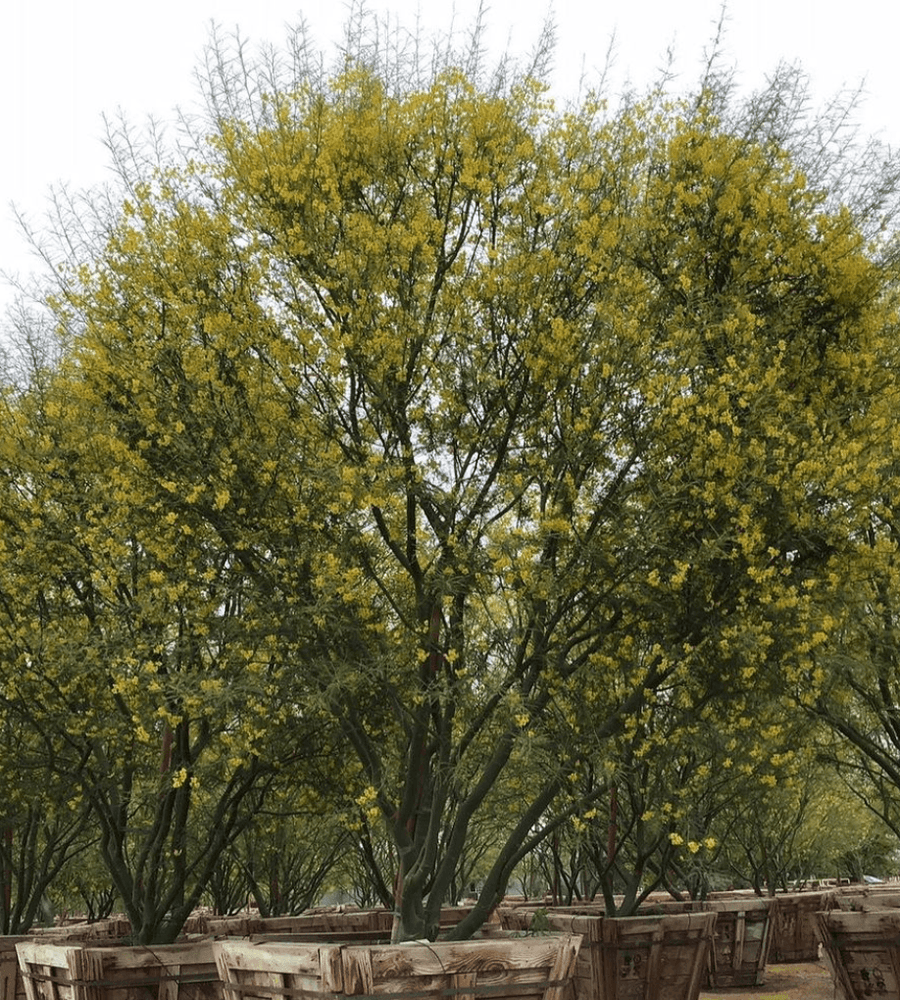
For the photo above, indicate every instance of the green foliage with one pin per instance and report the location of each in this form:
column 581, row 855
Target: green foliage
column 497, row 450
column 42, row 829
column 781, row 837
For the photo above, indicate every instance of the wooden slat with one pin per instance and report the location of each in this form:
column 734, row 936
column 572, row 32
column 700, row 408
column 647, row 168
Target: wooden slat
column 333, row 926
column 654, row 960
column 463, row 985
column 518, row 969
column 638, row 957
column 862, row 951
column 698, row 923
column 356, row 966
column 82, row 972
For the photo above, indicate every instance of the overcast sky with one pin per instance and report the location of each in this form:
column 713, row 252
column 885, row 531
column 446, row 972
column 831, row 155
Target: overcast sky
column 64, row 63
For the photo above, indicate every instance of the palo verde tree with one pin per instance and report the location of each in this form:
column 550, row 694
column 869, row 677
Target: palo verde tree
column 129, row 661
column 42, row 829
column 860, row 702
column 507, row 424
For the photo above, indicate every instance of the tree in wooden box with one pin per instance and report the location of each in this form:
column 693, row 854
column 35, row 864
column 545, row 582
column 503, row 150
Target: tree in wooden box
column 794, row 934
column 396, row 415
column 139, row 972
column 631, row 958
column 862, row 951
column 528, row 968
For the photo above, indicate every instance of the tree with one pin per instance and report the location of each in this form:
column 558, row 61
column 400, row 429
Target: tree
column 859, row 704
column 499, row 427
column 808, row 831
column 41, row 829
column 126, row 661
column 287, row 858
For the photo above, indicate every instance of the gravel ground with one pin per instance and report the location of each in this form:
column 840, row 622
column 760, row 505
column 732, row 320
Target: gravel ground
column 797, row 981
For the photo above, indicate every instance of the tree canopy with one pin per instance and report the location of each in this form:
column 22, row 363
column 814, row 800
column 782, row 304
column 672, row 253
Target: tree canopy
column 465, row 435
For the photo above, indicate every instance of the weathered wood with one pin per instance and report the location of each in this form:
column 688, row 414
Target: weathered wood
column 794, row 934
column 12, row 986
column 862, row 900
column 508, row 969
column 862, row 951
column 362, row 925
column 742, row 942
column 121, row 972
column 743, row 936
column 632, row 958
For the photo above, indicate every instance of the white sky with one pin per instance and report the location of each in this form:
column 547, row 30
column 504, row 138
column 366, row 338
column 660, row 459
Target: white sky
column 63, row 63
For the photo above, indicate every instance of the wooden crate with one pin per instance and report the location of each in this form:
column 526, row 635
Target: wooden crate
column 743, row 936
column 109, row 929
column 354, row 925
column 794, row 934
column 348, row 927
column 861, row 899
column 529, row 968
column 452, row 915
column 632, row 958
column 12, row 986
column 742, row 940
column 862, row 951
column 119, row 972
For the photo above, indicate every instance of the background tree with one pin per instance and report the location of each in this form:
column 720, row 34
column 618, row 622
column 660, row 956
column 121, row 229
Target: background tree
column 125, row 657
column 806, row 828
column 860, row 703
column 366, row 873
column 84, row 887
column 42, row 828
column 288, row 858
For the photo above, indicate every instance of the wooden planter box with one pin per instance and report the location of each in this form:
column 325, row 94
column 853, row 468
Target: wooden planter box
column 795, row 937
column 633, row 958
column 742, row 934
column 742, row 941
column 532, row 968
column 335, row 927
column 362, row 925
column 862, row 951
column 452, row 915
column 110, row 929
column 861, row 900
column 12, row 986
column 119, row 972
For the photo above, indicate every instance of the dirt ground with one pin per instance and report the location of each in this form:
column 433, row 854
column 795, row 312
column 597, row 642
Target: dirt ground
column 797, row 981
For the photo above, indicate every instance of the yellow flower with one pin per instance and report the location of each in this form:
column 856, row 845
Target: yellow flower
column 676, row 839
column 693, row 846
column 368, row 797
